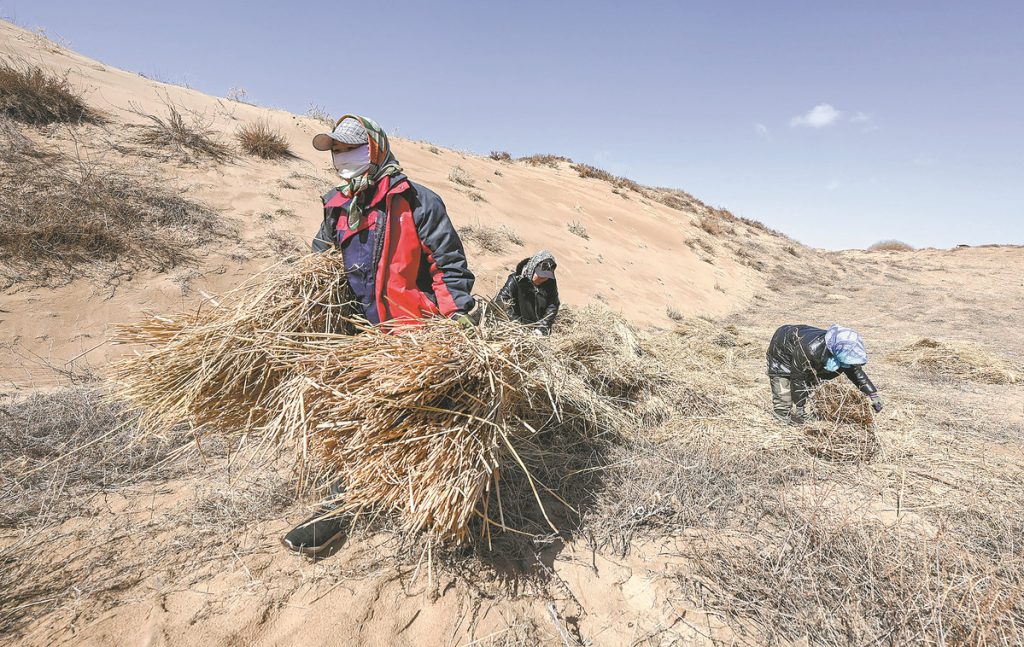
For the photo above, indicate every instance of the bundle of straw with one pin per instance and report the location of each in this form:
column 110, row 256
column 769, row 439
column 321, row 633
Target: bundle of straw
column 844, row 426
column 417, row 420
column 959, row 359
column 213, row 365
column 841, row 404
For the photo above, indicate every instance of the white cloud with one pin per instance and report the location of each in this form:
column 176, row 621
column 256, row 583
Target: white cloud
column 819, row 116
column 859, row 118
column 763, row 131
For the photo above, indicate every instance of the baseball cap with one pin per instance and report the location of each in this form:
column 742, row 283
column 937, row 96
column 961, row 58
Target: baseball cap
column 347, row 131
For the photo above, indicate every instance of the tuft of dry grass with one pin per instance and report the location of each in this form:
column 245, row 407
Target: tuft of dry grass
column 578, row 228
column 184, row 137
column 122, row 219
column 890, row 246
column 945, row 360
column 262, row 140
column 491, row 239
column 459, row 175
column 710, row 224
column 35, row 96
column 500, row 156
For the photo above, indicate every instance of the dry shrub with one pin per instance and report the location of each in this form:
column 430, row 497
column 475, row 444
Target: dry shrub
column 673, row 314
column 711, row 224
column 588, row 171
column 64, row 217
column 578, row 228
column 955, row 359
column 500, row 156
column 890, row 246
column 544, row 160
column 182, row 137
column 262, row 140
column 34, row 96
column 491, row 239
column 458, row 175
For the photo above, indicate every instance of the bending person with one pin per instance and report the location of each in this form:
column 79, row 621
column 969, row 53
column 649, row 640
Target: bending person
column 800, row 357
column 530, row 295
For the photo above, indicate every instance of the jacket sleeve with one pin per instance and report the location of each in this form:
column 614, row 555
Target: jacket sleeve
column 550, row 312
column 325, row 238
column 860, row 379
column 451, row 279
column 505, row 296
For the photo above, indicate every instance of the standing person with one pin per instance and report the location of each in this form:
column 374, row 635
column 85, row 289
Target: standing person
column 403, row 259
column 800, row 357
column 530, row 295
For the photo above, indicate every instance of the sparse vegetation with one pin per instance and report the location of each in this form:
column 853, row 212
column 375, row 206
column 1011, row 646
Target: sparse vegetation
column 262, row 140
column 544, row 160
column 123, row 220
column 489, row 238
column 673, row 314
column 458, row 175
column 35, row 96
column 182, row 137
column 710, row 224
column 576, row 227
column 890, row 246
column 500, row 156
column 319, row 113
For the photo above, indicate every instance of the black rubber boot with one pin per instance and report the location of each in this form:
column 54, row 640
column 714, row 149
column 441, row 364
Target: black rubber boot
column 316, row 535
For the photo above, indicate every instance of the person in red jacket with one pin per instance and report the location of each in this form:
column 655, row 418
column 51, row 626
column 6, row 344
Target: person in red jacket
column 403, row 259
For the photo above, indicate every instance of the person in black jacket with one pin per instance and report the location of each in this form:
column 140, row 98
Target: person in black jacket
column 530, row 295
column 800, row 357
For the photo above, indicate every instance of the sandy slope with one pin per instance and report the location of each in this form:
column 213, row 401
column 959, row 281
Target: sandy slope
column 636, row 258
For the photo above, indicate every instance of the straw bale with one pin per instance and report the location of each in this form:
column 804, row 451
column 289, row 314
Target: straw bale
column 957, row 359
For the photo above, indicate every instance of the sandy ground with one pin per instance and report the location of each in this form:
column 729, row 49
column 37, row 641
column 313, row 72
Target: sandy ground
column 187, row 575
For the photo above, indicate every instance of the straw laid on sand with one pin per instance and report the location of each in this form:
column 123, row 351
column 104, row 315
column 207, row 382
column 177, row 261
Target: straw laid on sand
column 957, row 359
column 418, row 421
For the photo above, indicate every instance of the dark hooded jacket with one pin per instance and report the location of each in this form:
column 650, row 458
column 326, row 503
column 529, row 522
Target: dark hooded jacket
column 535, row 305
column 799, row 353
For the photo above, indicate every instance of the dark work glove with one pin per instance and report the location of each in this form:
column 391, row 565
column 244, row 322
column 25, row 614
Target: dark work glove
column 876, row 402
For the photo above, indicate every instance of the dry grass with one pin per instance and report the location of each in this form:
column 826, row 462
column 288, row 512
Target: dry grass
column 544, row 160
column 185, row 137
column 495, row 240
column 947, row 360
column 579, row 229
column 711, row 224
column 262, row 140
column 459, row 176
column 123, row 219
column 500, row 156
column 424, row 439
column 35, row 96
column 890, row 246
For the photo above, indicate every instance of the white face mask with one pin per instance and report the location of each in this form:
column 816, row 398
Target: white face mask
column 352, row 163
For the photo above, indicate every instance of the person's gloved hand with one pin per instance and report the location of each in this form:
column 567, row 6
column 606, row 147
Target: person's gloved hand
column 876, row 402
column 465, row 321
column 537, row 332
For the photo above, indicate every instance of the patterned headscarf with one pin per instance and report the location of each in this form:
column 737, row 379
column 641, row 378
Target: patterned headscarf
column 382, row 164
column 846, row 346
column 537, row 259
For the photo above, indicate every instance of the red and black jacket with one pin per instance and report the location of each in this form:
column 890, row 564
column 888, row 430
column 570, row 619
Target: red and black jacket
column 417, row 262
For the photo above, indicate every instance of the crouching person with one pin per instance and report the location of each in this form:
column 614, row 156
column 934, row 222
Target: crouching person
column 403, row 259
column 800, row 357
column 530, row 295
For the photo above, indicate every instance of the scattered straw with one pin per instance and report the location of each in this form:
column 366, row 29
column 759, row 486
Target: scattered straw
column 956, row 359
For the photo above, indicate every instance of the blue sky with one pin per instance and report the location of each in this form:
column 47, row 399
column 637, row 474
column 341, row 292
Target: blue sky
column 840, row 124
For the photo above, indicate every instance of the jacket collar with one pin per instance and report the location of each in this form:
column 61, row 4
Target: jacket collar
column 389, row 185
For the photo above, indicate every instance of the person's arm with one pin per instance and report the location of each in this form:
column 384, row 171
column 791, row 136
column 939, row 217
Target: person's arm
column 452, row 281
column 550, row 312
column 861, row 380
column 505, row 297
